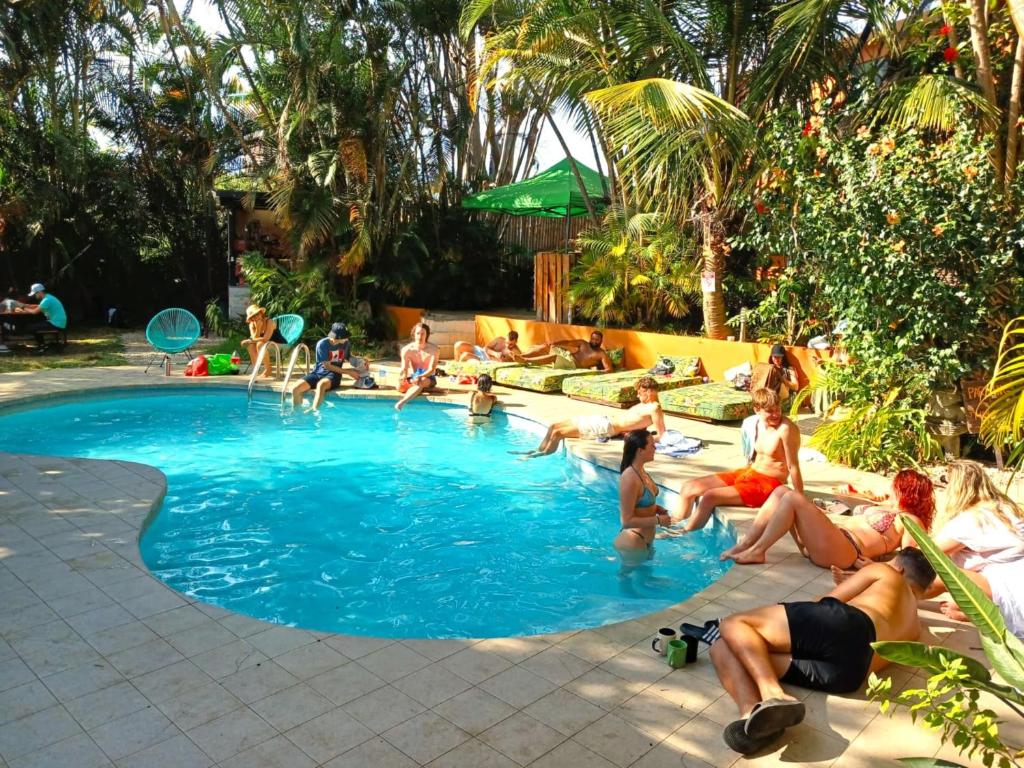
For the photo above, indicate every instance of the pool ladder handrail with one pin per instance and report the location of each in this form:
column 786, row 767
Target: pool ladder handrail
column 300, row 347
column 258, row 365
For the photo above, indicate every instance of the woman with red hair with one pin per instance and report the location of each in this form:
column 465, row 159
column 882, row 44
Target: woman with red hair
column 872, row 531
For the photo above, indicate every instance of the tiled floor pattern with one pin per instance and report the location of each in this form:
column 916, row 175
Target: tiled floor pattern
column 102, row 665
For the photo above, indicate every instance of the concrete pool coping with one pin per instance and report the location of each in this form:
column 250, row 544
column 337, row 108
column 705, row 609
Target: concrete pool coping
column 101, row 664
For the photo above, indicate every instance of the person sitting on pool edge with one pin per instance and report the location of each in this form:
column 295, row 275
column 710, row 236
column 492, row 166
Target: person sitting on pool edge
column 262, row 331
column 823, row 645
column 482, row 402
column 573, row 353
column 419, row 362
column 646, row 413
column 499, row 349
column 775, row 447
column 331, row 353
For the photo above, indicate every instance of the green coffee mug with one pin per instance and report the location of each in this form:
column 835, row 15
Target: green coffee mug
column 681, row 652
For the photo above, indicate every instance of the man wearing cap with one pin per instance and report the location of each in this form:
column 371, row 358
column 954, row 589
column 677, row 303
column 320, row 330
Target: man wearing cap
column 331, row 354
column 49, row 306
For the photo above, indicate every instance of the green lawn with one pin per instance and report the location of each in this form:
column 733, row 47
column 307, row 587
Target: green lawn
column 86, row 348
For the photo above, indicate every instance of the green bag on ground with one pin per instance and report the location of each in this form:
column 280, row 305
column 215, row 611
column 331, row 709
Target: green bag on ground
column 220, row 364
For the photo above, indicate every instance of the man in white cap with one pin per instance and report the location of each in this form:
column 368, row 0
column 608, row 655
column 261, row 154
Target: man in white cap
column 49, row 307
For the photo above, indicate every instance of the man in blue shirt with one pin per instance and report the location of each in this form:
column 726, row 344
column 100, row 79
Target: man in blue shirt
column 331, row 354
column 49, row 307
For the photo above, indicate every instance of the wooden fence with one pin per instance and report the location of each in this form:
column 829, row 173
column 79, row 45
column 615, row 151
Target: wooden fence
column 535, row 234
column 551, row 286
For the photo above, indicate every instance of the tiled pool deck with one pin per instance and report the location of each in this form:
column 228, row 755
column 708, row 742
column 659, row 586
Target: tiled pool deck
column 101, row 664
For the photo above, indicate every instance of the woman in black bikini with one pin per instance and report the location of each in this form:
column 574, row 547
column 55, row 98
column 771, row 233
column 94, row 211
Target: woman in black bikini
column 850, row 542
column 481, row 402
column 639, row 513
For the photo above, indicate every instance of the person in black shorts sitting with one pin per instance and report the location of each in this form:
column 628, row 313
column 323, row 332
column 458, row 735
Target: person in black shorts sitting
column 823, row 645
column 331, row 354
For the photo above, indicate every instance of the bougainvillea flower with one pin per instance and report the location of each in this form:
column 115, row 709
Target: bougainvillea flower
column 945, row 29
column 892, row 217
column 761, row 208
column 808, row 129
column 950, row 54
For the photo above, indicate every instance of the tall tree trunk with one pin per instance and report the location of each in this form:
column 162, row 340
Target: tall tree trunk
column 986, row 81
column 1012, row 129
column 714, row 250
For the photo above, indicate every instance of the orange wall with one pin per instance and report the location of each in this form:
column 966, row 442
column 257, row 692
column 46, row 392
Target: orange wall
column 405, row 318
column 642, row 348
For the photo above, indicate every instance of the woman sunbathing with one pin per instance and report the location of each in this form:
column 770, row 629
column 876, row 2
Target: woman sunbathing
column 844, row 543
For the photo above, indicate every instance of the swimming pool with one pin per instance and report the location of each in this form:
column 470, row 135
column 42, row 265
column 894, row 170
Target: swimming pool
column 363, row 521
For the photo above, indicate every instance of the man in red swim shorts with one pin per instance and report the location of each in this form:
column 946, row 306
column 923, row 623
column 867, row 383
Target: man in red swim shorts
column 775, row 447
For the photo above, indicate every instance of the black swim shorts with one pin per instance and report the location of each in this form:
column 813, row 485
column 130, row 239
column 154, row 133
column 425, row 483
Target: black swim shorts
column 831, row 645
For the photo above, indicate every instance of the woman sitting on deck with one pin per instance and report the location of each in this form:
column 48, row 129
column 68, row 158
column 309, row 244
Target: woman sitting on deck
column 639, row 513
column 873, row 531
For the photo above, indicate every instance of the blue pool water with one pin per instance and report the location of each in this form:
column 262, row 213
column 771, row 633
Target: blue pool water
column 363, row 521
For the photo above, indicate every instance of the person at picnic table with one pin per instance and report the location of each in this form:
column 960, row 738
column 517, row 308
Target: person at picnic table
column 839, row 542
column 775, row 445
column 982, row 531
column 823, row 645
column 639, row 513
column 572, row 353
column 419, row 363
column 49, row 306
column 262, row 331
column 646, row 413
column 499, row 349
column 331, row 353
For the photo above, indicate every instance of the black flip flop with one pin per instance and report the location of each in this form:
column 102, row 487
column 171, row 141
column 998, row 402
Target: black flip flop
column 706, row 634
column 772, row 715
column 737, row 739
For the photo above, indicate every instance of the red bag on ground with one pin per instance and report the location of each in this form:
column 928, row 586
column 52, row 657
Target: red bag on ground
column 197, row 367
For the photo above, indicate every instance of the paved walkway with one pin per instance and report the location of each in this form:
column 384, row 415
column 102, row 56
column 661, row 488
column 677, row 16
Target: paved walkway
column 101, row 664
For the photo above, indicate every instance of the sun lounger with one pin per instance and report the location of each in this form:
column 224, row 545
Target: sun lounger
column 708, row 402
column 619, row 389
column 474, row 367
column 539, row 378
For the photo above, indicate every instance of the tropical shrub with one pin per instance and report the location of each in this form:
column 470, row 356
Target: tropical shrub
column 1002, row 409
column 951, row 701
column 635, row 270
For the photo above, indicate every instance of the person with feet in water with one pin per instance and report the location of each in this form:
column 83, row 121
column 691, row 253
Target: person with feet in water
column 419, row 363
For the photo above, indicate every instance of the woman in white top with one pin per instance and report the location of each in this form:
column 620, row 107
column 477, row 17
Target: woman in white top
column 982, row 531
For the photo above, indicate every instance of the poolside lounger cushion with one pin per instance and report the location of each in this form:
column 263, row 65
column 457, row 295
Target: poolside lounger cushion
column 539, row 378
column 617, row 356
column 620, row 388
column 714, row 402
column 474, row 367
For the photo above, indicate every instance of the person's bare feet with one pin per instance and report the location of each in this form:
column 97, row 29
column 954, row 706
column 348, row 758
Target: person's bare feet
column 748, row 557
column 952, row 610
column 839, row 575
column 735, row 550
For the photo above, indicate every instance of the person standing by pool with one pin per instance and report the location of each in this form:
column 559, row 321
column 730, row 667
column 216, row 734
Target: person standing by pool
column 419, row 362
column 49, row 307
column 639, row 513
column 331, row 353
column 499, row 349
column 262, row 331
column 646, row 413
column 776, row 445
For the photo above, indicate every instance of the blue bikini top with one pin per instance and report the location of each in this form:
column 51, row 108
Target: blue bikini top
column 646, row 498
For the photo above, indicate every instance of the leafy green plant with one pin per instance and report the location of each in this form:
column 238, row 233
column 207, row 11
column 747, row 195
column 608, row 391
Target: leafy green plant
column 951, row 701
column 1002, row 410
column 216, row 319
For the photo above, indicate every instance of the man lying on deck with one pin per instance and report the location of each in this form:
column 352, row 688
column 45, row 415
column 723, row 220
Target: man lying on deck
column 823, row 645
column 775, row 447
column 644, row 414
column 581, row 354
column 499, row 350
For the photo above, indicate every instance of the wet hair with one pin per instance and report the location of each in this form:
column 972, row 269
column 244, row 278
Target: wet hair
column 636, row 441
column 484, row 382
column 513, row 335
column 969, row 486
column 764, row 399
column 646, row 382
column 916, row 569
column 424, row 326
column 915, row 495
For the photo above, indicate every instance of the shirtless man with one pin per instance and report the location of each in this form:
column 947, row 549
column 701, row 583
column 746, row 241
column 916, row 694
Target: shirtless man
column 582, row 354
column 775, row 459
column 823, row 645
column 419, row 362
column 644, row 414
column 500, row 349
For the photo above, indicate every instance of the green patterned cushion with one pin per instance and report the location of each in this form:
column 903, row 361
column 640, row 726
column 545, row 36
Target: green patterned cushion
column 685, row 365
column 473, row 367
column 617, row 356
column 718, row 402
column 621, row 387
column 539, row 378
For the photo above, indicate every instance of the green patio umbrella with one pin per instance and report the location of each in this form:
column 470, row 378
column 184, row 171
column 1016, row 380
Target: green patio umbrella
column 553, row 194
